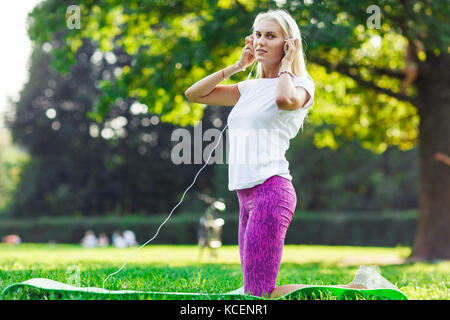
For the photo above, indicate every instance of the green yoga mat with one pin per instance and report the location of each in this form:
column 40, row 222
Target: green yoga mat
column 308, row 292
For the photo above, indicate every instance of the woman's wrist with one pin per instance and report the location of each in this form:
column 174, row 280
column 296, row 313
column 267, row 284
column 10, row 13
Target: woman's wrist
column 285, row 66
column 238, row 66
column 232, row 69
column 290, row 74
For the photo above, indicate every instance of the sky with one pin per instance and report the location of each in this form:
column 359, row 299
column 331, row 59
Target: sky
column 16, row 49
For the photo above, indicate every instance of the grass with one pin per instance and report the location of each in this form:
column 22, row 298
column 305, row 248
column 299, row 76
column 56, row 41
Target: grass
column 178, row 268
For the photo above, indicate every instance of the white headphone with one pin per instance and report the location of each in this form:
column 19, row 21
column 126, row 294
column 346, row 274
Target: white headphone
column 284, row 48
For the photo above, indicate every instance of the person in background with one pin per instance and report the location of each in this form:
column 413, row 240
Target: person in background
column 89, row 240
column 12, row 239
column 130, row 238
column 103, row 240
column 411, row 70
column 439, row 156
column 118, row 240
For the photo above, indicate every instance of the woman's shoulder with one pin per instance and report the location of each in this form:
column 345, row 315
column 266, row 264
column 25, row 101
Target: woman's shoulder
column 304, row 81
column 247, row 81
column 250, row 80
column 304, row 78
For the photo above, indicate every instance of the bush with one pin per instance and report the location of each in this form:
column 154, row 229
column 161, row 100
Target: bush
column 381, row 229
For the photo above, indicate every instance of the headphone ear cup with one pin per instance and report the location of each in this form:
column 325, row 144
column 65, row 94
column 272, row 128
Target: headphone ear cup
column 284, row 46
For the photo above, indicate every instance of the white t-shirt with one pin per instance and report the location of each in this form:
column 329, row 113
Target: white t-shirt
column 259, row 132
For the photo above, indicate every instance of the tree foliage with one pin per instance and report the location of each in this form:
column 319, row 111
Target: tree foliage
column 79, row 166
column 175, row 43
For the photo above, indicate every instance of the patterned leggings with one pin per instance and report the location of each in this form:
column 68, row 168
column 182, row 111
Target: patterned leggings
column 266, row 211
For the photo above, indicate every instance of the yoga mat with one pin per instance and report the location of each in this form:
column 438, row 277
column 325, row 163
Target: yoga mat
column 310, row 291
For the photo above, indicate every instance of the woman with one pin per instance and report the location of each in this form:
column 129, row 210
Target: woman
column 273, row 105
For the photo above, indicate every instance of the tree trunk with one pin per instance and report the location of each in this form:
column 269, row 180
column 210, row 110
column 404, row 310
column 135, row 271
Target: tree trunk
column 432, row 239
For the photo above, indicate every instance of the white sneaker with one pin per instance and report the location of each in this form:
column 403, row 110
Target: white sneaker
column 370, row 278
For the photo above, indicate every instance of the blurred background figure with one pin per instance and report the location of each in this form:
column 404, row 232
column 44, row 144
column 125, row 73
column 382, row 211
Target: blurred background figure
column 103, row 240
column 130, row 238
column 12, row 239
column 209, row 232
column 118, row 240
column 439, row 156
column 411, row 70
column 202, row 233
column 89, row 240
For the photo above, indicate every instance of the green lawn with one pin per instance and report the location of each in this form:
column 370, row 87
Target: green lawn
column 178, row 268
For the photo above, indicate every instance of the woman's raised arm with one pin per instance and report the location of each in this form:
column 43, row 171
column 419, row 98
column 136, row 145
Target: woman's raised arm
column 208, row 91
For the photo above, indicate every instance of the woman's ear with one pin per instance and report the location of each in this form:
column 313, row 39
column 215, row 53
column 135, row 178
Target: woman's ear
column 285, row 46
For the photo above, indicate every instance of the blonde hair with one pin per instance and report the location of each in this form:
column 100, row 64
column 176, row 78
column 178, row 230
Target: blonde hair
column 290, row 30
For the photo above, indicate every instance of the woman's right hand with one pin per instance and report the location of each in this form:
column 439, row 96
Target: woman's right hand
column 248, row 53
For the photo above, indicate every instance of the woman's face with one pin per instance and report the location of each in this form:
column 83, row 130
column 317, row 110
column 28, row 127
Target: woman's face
column 268, row 36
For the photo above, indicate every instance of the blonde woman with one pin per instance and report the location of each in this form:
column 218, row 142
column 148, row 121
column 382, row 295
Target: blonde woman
column 272, row 107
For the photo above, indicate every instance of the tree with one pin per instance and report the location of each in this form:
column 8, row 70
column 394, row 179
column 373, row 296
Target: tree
column 79, row 166
column 422, row 24
column 356, row 52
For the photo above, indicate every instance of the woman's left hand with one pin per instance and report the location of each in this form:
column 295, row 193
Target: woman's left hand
column 292, row 47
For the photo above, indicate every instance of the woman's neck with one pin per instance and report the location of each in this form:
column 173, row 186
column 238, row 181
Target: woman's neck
column 269, row 71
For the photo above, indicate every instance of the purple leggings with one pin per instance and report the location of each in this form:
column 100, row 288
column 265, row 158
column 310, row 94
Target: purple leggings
column 266, row 211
